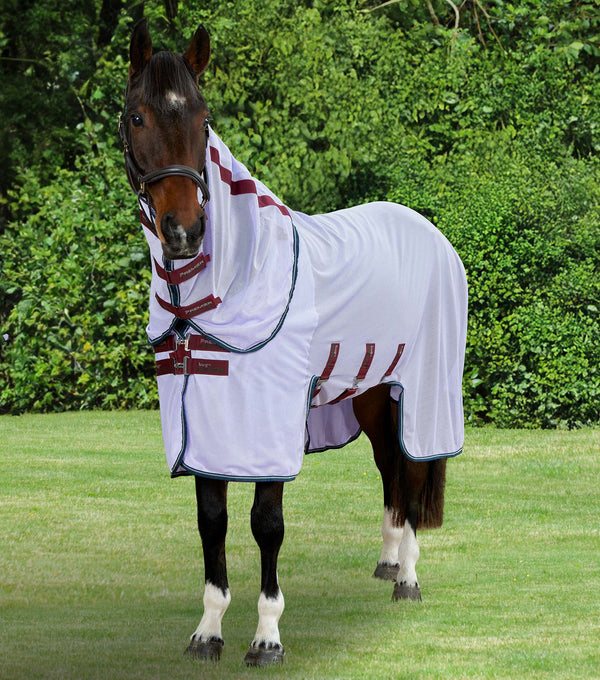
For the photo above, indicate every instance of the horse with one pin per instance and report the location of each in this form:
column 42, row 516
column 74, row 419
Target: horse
column 269, row 345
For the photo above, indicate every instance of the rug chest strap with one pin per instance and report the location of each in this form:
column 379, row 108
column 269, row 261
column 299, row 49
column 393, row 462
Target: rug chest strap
column 191, row 366
column 198, row 342
column 181, row 362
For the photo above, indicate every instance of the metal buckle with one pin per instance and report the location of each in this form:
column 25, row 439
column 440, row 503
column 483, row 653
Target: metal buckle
column 181, row 354
column 180, row 366
column 182, row 341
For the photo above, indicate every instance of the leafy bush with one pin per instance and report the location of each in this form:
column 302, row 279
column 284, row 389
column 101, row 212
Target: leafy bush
column 530, row 242
column 77, row 270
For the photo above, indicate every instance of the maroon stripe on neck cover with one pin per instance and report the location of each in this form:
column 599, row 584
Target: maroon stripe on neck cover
column 244, row 186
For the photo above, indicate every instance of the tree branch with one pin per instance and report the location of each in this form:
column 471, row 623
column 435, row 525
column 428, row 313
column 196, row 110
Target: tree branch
column 436, row 21
column 372, row 9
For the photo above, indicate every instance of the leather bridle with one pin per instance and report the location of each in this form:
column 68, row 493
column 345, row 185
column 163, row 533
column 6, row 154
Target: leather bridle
column 139, row 181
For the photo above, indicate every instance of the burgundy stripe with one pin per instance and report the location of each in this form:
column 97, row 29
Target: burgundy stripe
column 333, row 356
column 190, row 270
column 395, row 362
column 367, row 361
column 362, row 373
column 146, row 222
column 269, row 200
column 188, row 312
column 244, row 186
column 334, row 351
column 344, row 395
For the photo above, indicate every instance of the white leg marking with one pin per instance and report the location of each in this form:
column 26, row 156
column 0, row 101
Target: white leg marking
column 215, row 606
column 269, row 613
column 392, row 536
column 408, row 556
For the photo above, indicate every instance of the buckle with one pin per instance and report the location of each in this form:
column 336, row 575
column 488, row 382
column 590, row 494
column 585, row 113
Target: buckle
column 179, row 341
column 181, row 355
column 180, row 367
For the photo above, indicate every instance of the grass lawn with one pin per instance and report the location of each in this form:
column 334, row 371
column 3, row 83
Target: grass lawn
column 101, row 569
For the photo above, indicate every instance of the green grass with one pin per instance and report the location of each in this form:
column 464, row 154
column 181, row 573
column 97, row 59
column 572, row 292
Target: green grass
column 101, row 570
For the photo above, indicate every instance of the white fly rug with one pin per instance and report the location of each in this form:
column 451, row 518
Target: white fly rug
column 289, row 316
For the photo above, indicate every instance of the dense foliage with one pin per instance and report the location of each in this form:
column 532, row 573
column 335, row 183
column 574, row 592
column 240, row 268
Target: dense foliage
column 486, row 121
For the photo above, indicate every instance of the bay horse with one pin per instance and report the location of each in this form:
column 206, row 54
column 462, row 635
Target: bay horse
column 277, row 333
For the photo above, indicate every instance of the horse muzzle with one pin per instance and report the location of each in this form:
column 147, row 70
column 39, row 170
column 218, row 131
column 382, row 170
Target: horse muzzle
column 179, row 242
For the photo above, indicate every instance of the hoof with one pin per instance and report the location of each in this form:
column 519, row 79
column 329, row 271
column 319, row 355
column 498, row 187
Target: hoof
column 386, row 571
column 402, row 591
column 205, row 650
column 261, row 656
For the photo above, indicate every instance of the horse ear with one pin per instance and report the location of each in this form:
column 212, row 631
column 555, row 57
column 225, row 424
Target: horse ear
column 140, row 47
column 198, row 53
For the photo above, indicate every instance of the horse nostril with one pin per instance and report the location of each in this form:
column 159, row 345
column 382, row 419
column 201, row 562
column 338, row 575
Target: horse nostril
column 195, row 233
column 171, row 229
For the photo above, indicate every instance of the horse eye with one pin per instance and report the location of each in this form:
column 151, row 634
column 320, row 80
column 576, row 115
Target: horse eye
column 136, row 120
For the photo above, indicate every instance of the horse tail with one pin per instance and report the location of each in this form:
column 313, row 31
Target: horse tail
column 427, row 494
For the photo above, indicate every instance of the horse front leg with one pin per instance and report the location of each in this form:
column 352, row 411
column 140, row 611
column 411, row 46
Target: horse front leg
column 207, row 640
column 268, row 530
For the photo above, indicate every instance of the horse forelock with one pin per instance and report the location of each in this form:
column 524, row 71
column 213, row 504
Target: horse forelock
column 167, row 84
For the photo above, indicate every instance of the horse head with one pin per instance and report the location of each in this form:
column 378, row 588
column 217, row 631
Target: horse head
column 164, row 129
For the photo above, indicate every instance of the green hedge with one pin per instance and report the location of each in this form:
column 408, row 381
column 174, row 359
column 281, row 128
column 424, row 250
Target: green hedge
column 497, row 146
column 79, row 272
column 530, row 242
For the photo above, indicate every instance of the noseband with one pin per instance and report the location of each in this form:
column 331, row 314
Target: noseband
column 139, row 181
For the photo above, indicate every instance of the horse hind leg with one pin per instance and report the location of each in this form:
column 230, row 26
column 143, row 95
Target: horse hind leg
column 421, row 503
column 413, row 492
column 391, row 534
column 268, row 530
column 372, row 410
column 207, row 641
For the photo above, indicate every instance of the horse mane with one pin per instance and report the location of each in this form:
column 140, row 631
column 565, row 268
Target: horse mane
column 167, row 72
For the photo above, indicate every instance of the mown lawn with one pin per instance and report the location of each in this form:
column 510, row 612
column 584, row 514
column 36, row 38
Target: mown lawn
column 101, row 570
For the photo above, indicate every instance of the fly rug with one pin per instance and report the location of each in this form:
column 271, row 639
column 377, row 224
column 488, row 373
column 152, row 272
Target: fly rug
column 278, row 334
